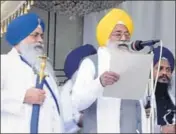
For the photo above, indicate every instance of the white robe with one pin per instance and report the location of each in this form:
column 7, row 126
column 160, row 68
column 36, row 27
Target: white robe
column 70, row 115
column 16, row 78
column 86, row 90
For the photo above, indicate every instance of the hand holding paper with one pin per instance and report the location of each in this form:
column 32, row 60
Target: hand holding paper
column 108, row 78
column 134, row 70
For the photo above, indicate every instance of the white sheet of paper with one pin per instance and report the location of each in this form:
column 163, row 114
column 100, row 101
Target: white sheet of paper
column 134, row 71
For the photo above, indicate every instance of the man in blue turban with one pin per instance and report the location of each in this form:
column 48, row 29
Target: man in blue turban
column 71, row 65
column 18, row 79
column 163, row 96
column 75, row 57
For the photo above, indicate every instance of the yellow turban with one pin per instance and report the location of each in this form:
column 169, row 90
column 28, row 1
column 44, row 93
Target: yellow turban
column 108, row 23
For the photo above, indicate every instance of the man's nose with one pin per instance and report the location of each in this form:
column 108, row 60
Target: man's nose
column 123, row 38
column 40, row 39
column 164, row 71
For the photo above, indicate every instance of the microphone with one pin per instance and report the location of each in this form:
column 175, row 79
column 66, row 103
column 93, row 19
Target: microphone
column 139, row 45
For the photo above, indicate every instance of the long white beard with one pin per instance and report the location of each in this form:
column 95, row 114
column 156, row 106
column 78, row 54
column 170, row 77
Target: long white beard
column 118, row 45
column 31, row 53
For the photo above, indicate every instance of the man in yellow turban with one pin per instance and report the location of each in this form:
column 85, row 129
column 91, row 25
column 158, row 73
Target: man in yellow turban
column 116, row 25
column 101, row 114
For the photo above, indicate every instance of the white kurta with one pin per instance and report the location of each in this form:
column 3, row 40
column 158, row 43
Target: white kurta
column 16, row 78
column 70, row 115
column 86, row 90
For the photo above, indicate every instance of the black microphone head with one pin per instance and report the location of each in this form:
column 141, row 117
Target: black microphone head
column 136, row 45
column 139, row 45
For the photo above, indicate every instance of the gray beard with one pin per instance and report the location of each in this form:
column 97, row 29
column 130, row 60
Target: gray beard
column 31, row 53
column 118, row 45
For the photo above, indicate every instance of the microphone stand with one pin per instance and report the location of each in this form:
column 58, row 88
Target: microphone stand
column 153, row 112
column 150, row 118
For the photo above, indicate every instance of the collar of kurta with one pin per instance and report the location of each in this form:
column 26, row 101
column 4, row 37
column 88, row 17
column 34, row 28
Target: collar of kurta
column 14, row 52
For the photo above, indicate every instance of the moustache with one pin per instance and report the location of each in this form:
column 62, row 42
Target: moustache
column 32, row 51
column 39, row 47
column 121, row 45
column 164, row 77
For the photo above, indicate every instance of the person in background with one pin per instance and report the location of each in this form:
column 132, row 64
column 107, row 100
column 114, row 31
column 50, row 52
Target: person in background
column 72, row 62
column 165, row 106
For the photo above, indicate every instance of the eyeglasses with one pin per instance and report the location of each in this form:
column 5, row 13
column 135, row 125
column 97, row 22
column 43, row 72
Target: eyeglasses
column 119, row 35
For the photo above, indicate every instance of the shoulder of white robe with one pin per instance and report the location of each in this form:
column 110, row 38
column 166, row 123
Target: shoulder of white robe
column 5, row 63
column 66, row 87
column 88, row 66
column 4, row 68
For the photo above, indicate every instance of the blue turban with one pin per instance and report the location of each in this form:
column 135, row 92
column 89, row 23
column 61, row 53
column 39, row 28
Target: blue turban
column 166, row 53
column 23, row 26
column 74, row 58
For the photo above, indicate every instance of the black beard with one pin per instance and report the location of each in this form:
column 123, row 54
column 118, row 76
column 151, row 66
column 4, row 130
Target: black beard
column 161, row 90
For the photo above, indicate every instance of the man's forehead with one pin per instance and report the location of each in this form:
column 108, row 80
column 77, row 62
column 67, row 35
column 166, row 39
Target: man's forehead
column 120, row 28
column 164, row 63
column 38, row 30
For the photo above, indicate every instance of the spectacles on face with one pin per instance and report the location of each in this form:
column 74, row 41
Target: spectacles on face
column 117, row 35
